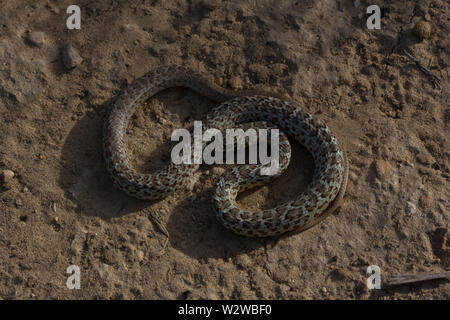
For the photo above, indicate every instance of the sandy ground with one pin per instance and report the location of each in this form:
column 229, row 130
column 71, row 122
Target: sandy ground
column 60, row 208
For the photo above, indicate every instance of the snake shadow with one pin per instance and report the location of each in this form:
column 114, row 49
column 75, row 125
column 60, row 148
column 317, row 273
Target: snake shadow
column 84, row 177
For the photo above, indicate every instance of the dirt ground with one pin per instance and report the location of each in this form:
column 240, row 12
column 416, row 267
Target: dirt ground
column 60, row 208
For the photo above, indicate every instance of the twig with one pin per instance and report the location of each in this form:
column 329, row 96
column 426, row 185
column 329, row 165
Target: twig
column 162, row 228
column 435, row 79
column 402, row 279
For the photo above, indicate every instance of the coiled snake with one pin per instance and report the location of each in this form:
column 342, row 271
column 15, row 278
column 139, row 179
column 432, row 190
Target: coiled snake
column 321, row 197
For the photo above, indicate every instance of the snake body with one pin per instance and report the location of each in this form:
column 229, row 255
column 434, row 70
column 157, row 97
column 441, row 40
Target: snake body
column 321, row 197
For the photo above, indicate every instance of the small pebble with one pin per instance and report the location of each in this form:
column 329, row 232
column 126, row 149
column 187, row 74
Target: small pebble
column 342, row 274
column 422, row 30
column 36, row 38
column 243, row 261
column 283, row 290
column 70, row 56
column 161, row 120
column 6, row 177
column 424, row 158
column 382, row 169
column 235, row 83
column 219, row 81
column 425, row 201
column 52, row 7
column 212, row 4
column 353, row 176
column 78, row 242
column 218, row 171
column 140, row 255
column 410, row 208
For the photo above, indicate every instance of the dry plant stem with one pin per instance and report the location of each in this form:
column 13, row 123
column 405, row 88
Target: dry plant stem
column 434, row 78
column 403, row 279
column 161, row 227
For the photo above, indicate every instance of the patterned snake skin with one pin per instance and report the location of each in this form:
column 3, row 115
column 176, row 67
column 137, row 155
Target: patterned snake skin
column 321, row 197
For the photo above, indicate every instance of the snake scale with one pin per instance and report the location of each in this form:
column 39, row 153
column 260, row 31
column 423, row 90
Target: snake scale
column 321, row 197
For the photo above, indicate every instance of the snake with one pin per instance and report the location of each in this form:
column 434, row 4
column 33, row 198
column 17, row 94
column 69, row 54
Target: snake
column 321, row 197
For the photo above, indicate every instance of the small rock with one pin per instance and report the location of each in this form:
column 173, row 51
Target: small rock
column 410, row 208
column 424, row 158
column 70, row 56
column 161, row 120
column 283, row 290
column 219, row 81
column 425, row 201
column 333, row 259
column 341, row 274
column 56, row 224
column 357, row 3
column 382, row 169
column 422, row 30
column 78, row 243
column 353, row 176
column 18, row 203
column 243, row 261
column 235, row 83
column 409, row 164
column 212, row 4
column 218, row 171
column 140, row 255
column 36, row 38
column 6, row 177
column 278, row 68
column 324, row 290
